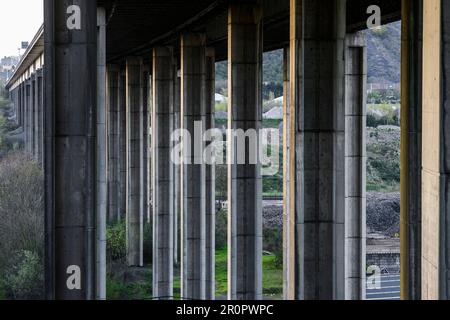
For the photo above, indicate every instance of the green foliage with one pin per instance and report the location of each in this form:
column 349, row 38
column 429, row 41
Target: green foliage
column 116, row 241
column 383, row 163
column 273, row 242
column 221, row 229
column 24, row 279
column 117, row 289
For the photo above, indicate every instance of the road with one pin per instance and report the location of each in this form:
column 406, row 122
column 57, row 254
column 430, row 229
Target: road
column 390, row 288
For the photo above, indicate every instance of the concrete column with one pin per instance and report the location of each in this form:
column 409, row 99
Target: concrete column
column 145, row 140
column 317, row 104
column 176, row 166
column 40, row 117
column 28, row 106
column 162, row 173
column 101, row 157
column 70, row 145
column 411, row 156
column 122, row 203
column 245, row 47
column 210, row 187
column 113, row 143
column 134, row 162
column 33, row 107
column 19, row 104
column 193, row 269
column 355, row 167
column 435, row 276
column 289, row 166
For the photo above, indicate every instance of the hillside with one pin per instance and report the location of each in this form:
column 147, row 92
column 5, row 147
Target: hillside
column 383, row 55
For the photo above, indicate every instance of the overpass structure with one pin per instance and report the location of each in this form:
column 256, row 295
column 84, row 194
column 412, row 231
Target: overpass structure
column 105, row 83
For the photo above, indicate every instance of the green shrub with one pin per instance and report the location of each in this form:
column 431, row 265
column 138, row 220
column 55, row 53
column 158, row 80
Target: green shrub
column 25, row 277
column 116, row 242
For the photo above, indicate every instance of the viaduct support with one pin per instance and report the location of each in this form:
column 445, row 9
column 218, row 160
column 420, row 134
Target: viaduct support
column 244, row 171
column 210, row 186
column 193, row 271
column 134, row 209
column 317, row 104
column 435, row 255
column 162, row 173
column 70, row 145
column 113, row 143
column 355, row 167
column 411, row 149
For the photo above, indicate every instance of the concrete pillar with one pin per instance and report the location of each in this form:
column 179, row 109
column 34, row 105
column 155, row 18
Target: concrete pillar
column 355, row 167
column 176, row 166
column 193, row 168
column 33, row 109
column 435, row 252
column 289, row 137
column 70, row 145
column 28, row 106
column 145, row 140
column 411, row 156
column 101, row 157
column 162, row 173
column 40, row 117
column 317, row 104
column 113, row 143
column 134, row 162
column 210, row 187
column 122, row 203
column 245, row 47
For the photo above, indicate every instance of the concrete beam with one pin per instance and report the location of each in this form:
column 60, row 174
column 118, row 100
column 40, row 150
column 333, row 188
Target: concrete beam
column 70, row 122
column 134, row 179
column 193, row 271
column 162, row 173
column 244, row 180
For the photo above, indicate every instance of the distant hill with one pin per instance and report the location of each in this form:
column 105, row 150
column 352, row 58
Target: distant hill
column 383, row 55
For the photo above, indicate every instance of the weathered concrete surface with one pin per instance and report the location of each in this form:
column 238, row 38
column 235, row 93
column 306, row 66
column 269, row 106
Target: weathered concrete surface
column 122, row 202
column 113, row 143
column 244, row 180
column 70, row 151
column 134, row 162
column 317, row 99
column 162, row 173
column 193, row 73
column 210, row 179
column 355, row 167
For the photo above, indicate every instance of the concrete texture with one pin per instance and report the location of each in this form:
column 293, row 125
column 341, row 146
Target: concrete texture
column 101, row 158
column 134, row 127
column 355, row 167
column 113, row 143
column 70, row 150
column 244, row 180
column 193, row 75
column 317, row 94
column 162, row 173
column 210, row 180
column 122, row 201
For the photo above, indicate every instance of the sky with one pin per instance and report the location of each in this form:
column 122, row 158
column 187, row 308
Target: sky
column 19, row 21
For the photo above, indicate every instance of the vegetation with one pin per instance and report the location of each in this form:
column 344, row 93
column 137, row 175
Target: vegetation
column 21, row 228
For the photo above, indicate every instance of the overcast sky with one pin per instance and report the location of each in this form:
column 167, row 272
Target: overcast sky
column 19, row 21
